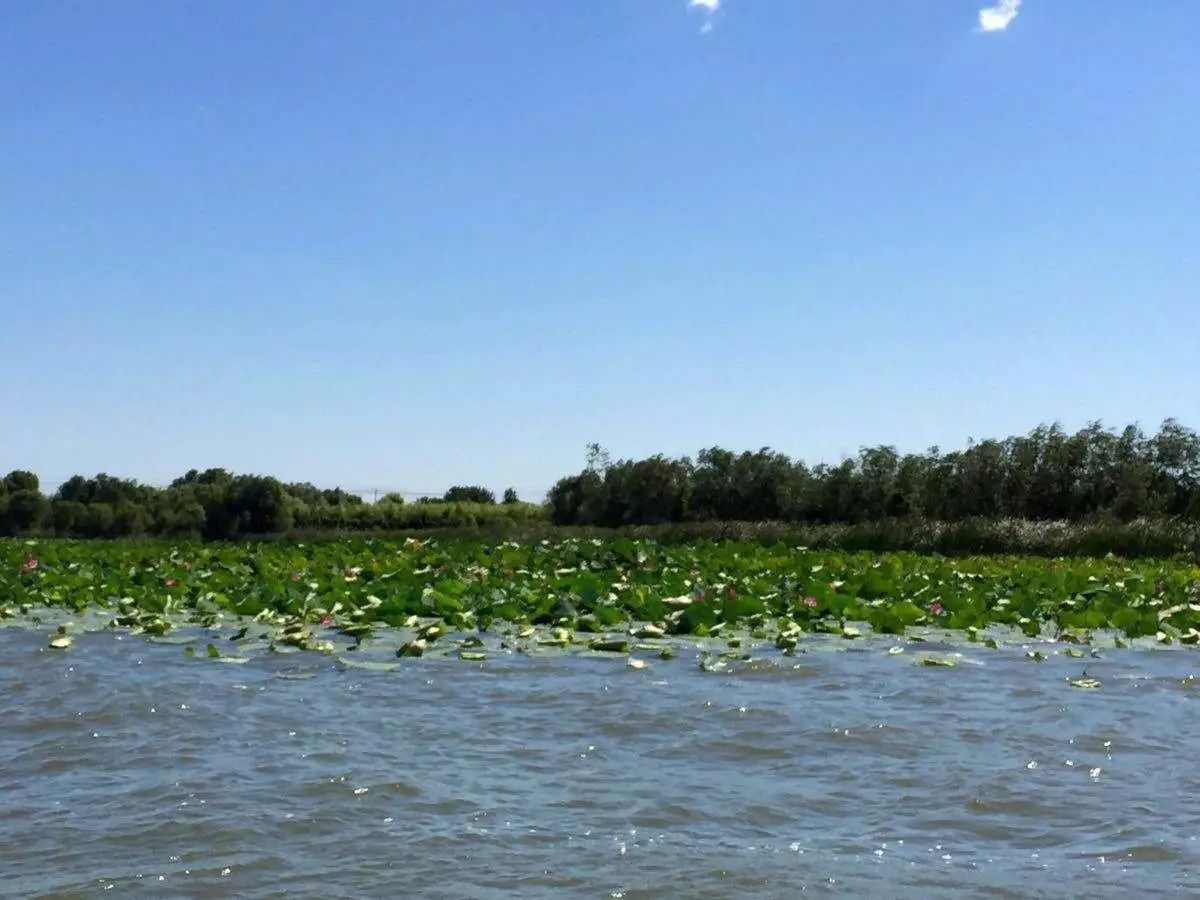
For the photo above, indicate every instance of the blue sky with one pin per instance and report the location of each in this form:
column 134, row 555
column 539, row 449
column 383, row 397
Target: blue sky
column 411, row 244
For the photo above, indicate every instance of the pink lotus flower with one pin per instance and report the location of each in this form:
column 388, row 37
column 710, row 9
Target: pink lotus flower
column 810, row 602
column 29, row 565
column 170, row 582
column 936, row 608
column 732, row 593
column 327, row 620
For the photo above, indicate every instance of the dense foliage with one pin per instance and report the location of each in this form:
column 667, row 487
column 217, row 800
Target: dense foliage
column 1098, row 476
column 1157, row 537
column 1045, row 475
column 588, row 586
column 469, row 493
column 215, row 504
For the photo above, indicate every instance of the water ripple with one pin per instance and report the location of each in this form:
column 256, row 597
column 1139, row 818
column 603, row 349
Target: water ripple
column 125, row 764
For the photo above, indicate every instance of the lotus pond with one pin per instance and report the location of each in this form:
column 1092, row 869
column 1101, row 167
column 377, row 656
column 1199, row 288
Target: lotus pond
column 596, row 720
column 470, row 599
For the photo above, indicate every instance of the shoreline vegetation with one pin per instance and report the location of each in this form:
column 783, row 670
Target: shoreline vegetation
column 1048, row 492
column 1142, row 538
column 469, row 598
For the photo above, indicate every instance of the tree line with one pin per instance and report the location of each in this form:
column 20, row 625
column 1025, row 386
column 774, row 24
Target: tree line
column 218, row 505
column 1047, row 474
column 1094, row 474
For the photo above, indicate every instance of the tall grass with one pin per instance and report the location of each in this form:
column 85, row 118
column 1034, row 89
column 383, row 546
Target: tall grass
column 1139, row 538
column 384, row 518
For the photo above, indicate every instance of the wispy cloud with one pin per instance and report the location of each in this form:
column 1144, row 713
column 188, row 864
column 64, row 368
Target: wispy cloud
column 709, row 8
column 998, row 17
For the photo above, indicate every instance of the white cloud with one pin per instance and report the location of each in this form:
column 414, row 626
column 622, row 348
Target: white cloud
column 709, row 8
column 994, row 18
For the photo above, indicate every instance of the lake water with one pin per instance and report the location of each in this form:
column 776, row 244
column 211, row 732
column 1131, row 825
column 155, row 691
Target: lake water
column 126, row 767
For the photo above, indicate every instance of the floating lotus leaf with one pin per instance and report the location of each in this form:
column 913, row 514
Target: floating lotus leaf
column 610, row 645
column 937, row 660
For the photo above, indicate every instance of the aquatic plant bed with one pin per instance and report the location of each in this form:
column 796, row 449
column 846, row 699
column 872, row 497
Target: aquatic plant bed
column 369, row 599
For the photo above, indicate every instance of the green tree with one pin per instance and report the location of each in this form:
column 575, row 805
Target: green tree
column 756, row 486
column 99, row 522
column 259, row 505
column 181, row 515
column 877, row 468
column 647, row 492
column 69, row 517
column 577, row 499
column 25, row 511
column 20, row 480
column 130, row 519
column 469, row 494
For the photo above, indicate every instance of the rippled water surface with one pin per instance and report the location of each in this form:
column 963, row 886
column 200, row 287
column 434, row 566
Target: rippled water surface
column 128, row 767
